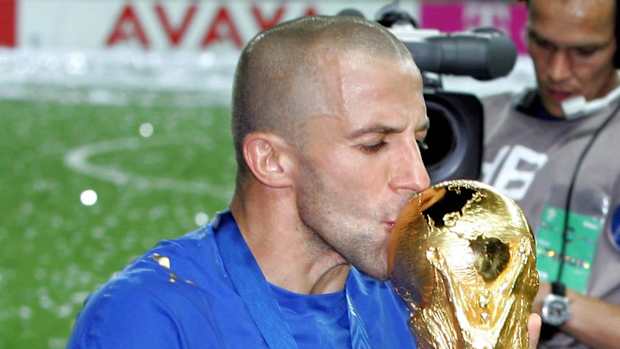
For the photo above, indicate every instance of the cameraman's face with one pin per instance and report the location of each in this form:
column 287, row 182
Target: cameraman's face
column 572, row 44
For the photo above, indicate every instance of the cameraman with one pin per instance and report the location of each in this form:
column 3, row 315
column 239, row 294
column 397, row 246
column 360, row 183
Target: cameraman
column 555, row 161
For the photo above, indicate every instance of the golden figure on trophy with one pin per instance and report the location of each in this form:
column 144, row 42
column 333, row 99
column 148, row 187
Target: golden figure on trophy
column 462, row 256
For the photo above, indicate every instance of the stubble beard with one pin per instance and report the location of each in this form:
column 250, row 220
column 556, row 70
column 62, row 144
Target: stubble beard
column 342, row 226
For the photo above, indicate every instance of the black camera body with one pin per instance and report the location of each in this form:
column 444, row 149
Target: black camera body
column 455, row 137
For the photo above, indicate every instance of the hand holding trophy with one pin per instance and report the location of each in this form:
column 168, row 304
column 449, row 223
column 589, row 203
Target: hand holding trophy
column 462, row 257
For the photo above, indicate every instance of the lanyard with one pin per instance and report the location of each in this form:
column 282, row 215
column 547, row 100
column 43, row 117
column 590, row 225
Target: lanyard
column 251, row 285
column 254, row 290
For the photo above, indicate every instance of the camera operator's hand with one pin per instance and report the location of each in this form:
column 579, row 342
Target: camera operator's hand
column 587, row 315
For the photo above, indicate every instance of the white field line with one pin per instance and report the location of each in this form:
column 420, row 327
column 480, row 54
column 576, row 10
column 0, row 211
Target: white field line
column 77, row 159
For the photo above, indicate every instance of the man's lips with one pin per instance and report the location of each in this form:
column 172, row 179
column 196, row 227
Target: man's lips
column 559, row 96
column 389, row 224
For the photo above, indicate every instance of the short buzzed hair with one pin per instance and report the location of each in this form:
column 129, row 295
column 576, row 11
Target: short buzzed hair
column 280, row 67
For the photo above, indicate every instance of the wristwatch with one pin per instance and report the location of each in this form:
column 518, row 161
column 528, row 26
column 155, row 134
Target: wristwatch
column 555, row 309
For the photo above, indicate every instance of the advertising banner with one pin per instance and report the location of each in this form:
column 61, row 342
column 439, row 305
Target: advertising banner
column 8, row 24
column 203, row 25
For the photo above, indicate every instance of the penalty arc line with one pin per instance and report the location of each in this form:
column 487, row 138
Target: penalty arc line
column 77, row 159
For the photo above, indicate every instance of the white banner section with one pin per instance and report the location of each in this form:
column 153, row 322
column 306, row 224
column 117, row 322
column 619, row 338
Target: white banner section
column 120, row 51
column 166, row 25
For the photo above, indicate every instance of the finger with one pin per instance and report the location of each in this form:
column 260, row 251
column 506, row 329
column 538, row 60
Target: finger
column 533, row 330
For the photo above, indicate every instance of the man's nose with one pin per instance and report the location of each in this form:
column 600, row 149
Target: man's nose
column 559, row 65
column 410, row 174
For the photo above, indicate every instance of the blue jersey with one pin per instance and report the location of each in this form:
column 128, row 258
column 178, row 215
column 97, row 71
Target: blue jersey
column 205, row 290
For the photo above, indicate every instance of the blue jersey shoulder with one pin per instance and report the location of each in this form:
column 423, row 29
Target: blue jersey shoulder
column 161, row 300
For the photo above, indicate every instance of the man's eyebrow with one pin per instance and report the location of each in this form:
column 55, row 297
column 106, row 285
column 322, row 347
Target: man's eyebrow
column 536, row 36
column 382, row 129
column 424, row 125
column 533, row 34
column 373, row 129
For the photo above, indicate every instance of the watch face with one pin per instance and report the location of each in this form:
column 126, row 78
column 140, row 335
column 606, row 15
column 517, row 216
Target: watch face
column 555, row 310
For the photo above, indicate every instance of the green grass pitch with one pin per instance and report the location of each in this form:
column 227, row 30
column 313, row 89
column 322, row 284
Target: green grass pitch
column 158, row 171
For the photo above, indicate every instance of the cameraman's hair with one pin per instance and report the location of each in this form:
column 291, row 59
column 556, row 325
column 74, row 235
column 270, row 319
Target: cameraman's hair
column 278, row 77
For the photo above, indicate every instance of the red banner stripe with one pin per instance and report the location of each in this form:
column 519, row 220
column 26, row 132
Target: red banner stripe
column 8, row 23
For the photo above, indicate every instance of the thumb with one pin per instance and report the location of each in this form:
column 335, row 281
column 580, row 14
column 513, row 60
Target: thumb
column 533, row 329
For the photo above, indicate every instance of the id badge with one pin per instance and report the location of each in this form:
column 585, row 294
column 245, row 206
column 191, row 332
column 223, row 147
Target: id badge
column 580, row 250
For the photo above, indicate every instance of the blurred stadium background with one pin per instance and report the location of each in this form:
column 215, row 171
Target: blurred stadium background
column 114, row 132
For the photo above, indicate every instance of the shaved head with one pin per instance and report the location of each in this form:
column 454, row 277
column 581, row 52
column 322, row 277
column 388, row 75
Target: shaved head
column 290, row 72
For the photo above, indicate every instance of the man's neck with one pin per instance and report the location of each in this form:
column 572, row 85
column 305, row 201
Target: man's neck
column 288, row 253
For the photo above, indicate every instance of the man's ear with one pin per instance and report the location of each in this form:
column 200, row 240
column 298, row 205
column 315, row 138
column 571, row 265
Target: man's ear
column 269, row 157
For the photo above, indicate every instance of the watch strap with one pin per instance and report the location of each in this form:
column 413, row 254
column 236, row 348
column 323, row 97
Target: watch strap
column 558, row 288
column 547, row 332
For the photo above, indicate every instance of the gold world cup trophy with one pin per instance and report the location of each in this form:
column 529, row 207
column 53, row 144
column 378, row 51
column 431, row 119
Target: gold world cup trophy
column 462, row 257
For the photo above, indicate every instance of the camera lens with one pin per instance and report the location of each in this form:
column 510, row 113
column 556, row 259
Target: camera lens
column 441, row 139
